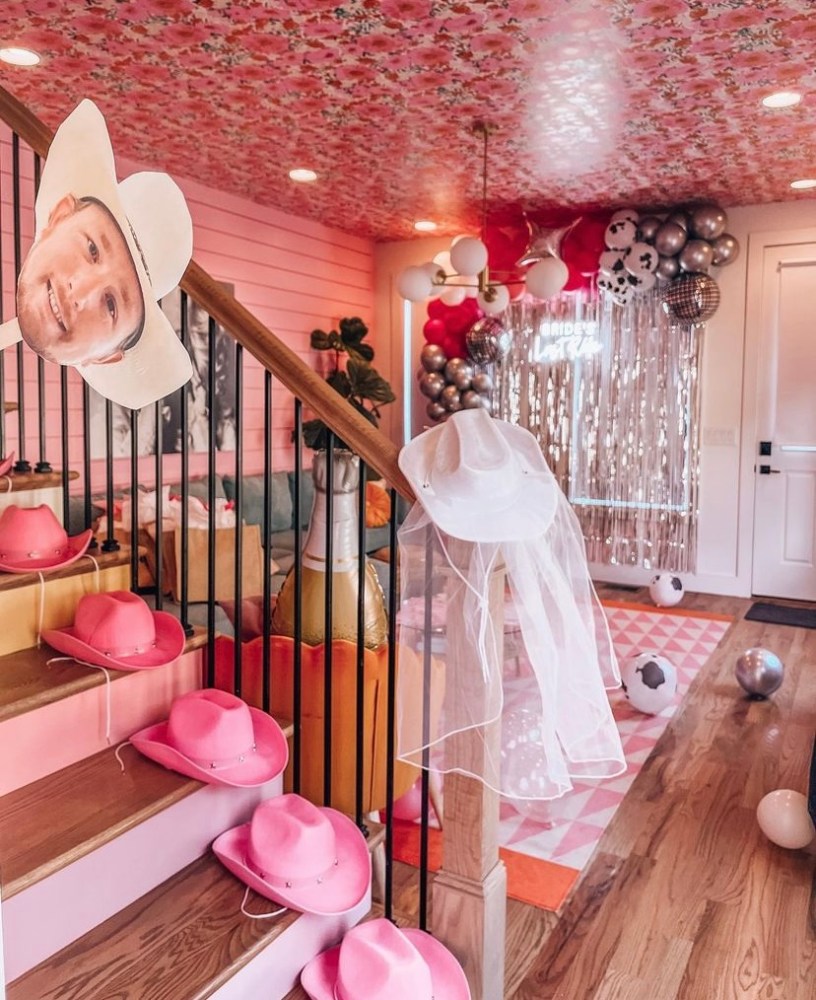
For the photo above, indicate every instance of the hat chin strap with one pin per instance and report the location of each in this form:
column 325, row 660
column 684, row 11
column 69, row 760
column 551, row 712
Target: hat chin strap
column 259, row 916
column 94, row 666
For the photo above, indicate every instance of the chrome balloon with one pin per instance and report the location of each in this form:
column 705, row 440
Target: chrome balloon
column 435, row 410
column 667, row 268
column 482, row 382
column 432, row 358
column 471, row 400
column 708, row 221
column 450, row 399
column 679, row 218
column 648, row 227
column 726, row 249
column 760, row 672
column 459, row 373
column 670, row 239
column 431, row 384
column 697, row 256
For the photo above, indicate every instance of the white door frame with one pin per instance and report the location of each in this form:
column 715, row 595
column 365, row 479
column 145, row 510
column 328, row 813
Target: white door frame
column 758, row 243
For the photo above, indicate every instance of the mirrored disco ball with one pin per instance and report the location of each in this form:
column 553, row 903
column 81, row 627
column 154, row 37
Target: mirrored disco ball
column 487, row 340
column 693, row 297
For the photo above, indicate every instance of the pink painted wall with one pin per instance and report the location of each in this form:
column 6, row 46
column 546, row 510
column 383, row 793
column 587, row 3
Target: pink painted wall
column 292, row 273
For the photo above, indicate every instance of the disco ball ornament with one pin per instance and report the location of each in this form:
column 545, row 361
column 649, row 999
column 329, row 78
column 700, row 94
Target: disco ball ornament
column 693, row 298
column 759, row 672
column 487, row 340
column 666, row 590
column 649, row 682
column 784, row 819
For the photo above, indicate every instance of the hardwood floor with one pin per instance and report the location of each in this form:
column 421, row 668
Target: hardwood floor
column 685, row 899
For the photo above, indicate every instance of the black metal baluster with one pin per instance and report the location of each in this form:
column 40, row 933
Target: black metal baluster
column 184, row 569
column 211, row 500
column 328, row 622
column 391, row 709
column 66, row 499
column 426, row 730
column 266, row 695
column 159, row 508
column 86, row 457
column 21, row 465
column 360, row 682
column 134, row 502
column 239, row 527
column 42, row 465
column 297, row 665
column 110, row 544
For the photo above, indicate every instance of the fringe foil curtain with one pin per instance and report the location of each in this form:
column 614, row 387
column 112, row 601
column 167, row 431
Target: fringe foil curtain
column 618, row 422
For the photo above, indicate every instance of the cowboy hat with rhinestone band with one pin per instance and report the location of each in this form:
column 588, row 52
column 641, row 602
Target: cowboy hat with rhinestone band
column 117, row 629
column 307, row 858
column 154, row 220
column 33, row 541
column 215, row 737
column 377, row 959
column 472, row 458
column 6, row 464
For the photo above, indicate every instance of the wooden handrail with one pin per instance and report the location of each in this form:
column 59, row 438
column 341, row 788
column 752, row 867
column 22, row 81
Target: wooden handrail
column 289, row 368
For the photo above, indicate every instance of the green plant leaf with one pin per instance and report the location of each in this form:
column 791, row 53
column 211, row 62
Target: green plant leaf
column 360, row 352
column 315, row 434
column 352, row 331
column 339, row 381
column 320, row 340
column 367, row 383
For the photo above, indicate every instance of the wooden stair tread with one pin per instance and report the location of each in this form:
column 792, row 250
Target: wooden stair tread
column 27, row 683
column 34, row 480
column 62, row 817
column 106, row 560
column 181, row 941
column 9, row 407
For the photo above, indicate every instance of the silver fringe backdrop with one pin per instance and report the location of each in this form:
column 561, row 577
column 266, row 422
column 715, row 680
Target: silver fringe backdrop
column 613, row 395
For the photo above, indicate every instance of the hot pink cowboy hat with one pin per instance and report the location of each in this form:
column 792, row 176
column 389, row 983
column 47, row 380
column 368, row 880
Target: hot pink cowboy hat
column 378, row 959
column 215, row 737
column 118, row 629
column 6, row 464
column 308, row 858
column 32, row 539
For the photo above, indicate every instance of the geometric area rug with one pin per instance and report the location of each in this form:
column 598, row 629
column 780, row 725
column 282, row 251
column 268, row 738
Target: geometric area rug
column 546, row 845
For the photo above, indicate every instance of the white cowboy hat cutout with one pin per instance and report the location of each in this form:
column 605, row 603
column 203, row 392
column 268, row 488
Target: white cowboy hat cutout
column 103, row 254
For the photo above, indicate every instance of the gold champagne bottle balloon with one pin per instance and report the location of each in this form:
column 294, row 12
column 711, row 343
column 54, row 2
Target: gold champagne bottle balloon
column 345, row 566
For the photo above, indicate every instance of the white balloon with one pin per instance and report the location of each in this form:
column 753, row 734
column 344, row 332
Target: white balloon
column 666, row 590
column 468, row 255
column 499, row 303
column 452, row 295
column 414, row 284
column 642, row 282
column 471, row 285
column 640, row 259
column 620, row 235
column 431, row 268
column 784, row 819
column 649, row 681
column 546, row 277
column 624, row 214
column 443, row 259
column 610, row 262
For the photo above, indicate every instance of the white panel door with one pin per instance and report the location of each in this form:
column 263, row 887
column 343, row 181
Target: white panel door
column 784, row 563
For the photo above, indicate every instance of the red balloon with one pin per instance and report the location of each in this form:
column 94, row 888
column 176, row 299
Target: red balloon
column 454, row 346
column 437, row 309
column 575, row 281
column 434, row 331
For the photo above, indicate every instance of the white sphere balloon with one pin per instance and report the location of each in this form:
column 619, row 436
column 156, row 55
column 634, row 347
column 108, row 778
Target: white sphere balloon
column 620, row 235
column 649, row 681
column 498, row 303
column 642, row 282
column 432, row 269
column 414, row 284
column 468, row 255
column 626, row 215
column 471, row 283
column 666, row 590
column 453, row 295
column 640, row 259
column 784, row 819
column 611, row 262
column 546, row 277
column 443, row 259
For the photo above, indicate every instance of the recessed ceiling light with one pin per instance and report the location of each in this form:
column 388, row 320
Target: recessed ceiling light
column 424, row 226
column 19, row 57
column 782, row 99
column 805, row 184
column 302, row 175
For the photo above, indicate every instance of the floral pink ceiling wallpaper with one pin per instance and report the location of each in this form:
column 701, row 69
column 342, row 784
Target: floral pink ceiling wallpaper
column 594, row 102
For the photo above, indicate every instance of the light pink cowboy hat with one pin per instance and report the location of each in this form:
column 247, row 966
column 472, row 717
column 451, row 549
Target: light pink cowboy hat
column 6, row 464
column 377, row 959
column 118, row 629
column 32, row 540
column 215, row 737
column 308, row 858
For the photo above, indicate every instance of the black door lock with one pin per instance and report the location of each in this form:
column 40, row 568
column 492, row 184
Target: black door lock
column 765, row 447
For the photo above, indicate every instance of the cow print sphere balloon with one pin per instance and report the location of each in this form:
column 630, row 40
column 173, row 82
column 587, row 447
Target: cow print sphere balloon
column 649, row 682
column 666, row 590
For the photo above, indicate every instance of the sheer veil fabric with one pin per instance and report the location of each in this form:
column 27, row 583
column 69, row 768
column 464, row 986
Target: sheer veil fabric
column 493, row 570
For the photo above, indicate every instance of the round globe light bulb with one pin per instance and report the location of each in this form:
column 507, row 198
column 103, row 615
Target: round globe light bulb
column 432, row 269
column 414, row 284
column 443, row 259
column 468, row 255
column 497, row 303
column 546, row 277
column 453, row 295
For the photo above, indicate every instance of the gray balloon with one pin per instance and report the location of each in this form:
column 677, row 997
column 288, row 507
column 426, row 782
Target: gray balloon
column 726, row 249
column 760, row 672
column 708, row 221
column 679, row 218
column 459, row 372
column 667, row 268
column 471, row 400
column 432, row 358
column 670, row 239
column 431, row 384
column 435, row 410
column 451, row 399
column 482, row 382
column 648, row 227
column 696, row 256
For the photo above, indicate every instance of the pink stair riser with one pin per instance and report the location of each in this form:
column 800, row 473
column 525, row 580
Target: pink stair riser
column 54, row 736
column 41, row 920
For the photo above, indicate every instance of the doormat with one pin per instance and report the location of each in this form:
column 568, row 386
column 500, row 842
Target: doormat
column 781, row 614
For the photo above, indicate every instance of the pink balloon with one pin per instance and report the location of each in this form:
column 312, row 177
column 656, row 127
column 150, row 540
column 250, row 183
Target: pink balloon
column 409, row 806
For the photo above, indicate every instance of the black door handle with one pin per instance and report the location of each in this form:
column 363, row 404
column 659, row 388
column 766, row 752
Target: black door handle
column 766, row 470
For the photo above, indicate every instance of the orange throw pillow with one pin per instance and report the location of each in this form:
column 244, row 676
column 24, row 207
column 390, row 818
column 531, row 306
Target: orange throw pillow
column 378, row 506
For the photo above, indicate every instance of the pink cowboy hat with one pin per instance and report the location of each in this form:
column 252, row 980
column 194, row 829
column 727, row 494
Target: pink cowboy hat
column 308, row 858
column 118, row 629
column 378, row 959
column 215, row 737
column 6, row 464
column 32, row 539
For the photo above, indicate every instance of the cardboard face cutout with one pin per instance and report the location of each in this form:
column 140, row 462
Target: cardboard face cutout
column 103, row 254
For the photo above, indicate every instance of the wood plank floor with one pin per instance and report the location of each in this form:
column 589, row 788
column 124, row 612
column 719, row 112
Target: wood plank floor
column 685, row 899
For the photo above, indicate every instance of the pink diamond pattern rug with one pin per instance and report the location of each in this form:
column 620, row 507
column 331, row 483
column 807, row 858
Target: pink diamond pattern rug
column 568, row 830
